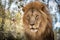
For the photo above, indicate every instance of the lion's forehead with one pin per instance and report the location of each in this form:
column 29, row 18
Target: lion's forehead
column 33, row 13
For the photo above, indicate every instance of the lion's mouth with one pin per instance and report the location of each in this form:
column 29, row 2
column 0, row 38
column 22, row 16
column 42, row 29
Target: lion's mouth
column 34, row 30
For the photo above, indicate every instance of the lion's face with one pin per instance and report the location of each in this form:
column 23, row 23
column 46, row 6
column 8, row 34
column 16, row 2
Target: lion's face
column 33, row 22
column 33, row 19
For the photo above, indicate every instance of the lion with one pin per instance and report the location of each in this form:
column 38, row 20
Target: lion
column 37, row 22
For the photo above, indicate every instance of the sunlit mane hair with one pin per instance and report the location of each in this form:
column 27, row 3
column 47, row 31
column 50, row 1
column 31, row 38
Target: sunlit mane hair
column 42, row 23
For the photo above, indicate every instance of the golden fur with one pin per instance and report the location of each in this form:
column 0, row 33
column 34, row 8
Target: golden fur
column 37, row 22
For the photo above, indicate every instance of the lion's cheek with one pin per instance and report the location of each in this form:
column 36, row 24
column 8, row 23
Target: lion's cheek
column 41, row 30
column 25, row 26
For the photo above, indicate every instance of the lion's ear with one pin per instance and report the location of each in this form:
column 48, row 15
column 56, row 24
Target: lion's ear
column 23, row 9
column 44, row 8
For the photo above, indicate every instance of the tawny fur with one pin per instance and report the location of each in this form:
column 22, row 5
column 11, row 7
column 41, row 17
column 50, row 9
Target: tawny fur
column 45, row 31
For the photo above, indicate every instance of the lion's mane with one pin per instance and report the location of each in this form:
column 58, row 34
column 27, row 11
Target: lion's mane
column 45, row 31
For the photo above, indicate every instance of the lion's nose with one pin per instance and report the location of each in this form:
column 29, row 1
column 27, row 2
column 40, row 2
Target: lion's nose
column 31, row 24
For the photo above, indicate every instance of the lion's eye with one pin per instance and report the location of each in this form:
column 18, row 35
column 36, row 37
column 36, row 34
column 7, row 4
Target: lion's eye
column 37, row 17
column 28, row 17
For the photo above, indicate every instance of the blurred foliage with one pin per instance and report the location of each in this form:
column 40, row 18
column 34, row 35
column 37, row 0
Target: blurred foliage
column 59, row 30
column 2, row 16
column 10, row 26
